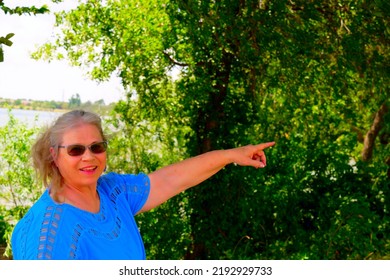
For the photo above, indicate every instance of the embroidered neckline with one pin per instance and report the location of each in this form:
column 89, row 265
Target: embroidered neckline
column 100, row 215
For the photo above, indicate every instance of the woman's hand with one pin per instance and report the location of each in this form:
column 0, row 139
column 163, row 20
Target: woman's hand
column 251, row 155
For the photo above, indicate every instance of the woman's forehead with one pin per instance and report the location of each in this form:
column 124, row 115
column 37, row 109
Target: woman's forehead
column 82, row 133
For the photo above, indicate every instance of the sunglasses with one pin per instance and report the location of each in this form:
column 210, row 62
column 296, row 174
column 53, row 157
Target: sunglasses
column 78, row 150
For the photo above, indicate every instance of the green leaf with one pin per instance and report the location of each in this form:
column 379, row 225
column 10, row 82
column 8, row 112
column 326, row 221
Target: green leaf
column 5, row 41
column 9, row 36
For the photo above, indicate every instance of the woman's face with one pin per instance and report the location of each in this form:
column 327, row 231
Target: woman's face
column 83, row 170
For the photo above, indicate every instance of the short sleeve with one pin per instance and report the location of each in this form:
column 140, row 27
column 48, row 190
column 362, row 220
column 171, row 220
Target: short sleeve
column 134, row 188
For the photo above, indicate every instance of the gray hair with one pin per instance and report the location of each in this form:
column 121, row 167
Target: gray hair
column 43, row 160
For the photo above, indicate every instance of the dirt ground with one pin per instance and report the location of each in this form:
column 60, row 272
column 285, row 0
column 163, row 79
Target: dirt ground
column 2, row 257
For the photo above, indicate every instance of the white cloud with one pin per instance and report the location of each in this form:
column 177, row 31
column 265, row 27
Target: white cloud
column 23, row 77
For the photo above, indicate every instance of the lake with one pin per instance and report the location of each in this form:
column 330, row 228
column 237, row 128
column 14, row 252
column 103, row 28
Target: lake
column 29, row 117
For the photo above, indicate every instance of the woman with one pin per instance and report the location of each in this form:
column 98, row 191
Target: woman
column 86, row 215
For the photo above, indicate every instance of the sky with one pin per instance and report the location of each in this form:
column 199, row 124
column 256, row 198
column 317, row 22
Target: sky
column 25, row 78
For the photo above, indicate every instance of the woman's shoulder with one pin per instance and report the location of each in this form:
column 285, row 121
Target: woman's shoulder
column 112, row 180
column 41, row 221
column 133, row 188
column 43, row 208
column 43, row 202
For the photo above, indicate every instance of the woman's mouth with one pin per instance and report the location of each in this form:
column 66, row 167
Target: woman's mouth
column 88, row 169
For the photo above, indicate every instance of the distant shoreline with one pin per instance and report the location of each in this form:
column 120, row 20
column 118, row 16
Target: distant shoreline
column 35, row 109
column 55, row 106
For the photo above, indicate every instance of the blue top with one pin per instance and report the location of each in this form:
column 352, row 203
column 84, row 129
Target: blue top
column 56, row 231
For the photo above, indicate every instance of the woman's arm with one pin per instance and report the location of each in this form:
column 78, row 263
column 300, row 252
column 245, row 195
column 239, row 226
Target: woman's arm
column 175, row 178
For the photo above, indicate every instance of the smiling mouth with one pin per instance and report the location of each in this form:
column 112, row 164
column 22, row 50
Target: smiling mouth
column 88, row 169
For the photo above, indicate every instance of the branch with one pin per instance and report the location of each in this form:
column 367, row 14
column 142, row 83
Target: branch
column 174, row 61
column 373, row 132
column 24, row 10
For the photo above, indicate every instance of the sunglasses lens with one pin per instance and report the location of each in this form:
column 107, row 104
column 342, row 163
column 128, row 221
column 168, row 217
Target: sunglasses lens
column 76, row 150
column 99, row 148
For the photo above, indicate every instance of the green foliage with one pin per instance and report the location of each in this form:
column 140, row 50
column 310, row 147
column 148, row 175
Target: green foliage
column 18, row 186
column 286, row 72
column 325, row 207
column 23, row 10
column 5, row 41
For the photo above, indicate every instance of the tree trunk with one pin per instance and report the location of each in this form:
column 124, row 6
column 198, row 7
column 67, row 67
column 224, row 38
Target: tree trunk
column 210, row 128
column 369, row 139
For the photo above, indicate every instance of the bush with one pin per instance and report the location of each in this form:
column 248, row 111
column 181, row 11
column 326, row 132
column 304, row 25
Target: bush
column 18, row 186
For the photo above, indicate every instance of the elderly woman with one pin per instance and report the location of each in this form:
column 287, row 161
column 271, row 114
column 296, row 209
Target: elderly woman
column 86, row 215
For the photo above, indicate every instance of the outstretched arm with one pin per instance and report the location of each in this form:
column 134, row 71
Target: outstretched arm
column 175, row 178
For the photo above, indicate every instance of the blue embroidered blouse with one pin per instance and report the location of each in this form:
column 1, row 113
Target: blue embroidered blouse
column 51, row 230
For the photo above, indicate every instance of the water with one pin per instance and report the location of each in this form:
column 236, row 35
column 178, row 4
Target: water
column 30, row 117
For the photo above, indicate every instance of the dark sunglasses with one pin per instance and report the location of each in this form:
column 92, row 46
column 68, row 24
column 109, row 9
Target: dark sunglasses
column 78, row 150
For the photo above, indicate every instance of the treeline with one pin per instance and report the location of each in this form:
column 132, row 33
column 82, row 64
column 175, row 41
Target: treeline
column 44, row 105
column 29, row 104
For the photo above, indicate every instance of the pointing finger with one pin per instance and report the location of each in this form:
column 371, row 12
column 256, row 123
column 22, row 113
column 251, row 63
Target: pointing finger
column 263, row 146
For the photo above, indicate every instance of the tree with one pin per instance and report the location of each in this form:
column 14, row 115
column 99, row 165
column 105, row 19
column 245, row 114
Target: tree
column 309, row 74
column 75, row 101
column 100, row 102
